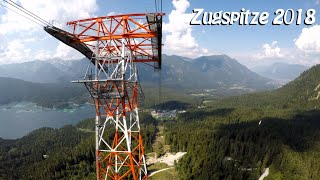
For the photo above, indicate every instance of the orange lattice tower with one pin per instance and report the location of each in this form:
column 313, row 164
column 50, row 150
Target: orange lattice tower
column 115, row 44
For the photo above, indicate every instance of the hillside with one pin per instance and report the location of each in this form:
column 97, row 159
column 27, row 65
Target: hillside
column 60, row 94
column 217, row 75
column 235, row 138
column 238, row 138
column 34, row 71
column 301, row 93
column 44, row 94
column 210, row 76
column 69, row 151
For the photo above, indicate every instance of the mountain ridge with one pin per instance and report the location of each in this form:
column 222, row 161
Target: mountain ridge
column 281, row 71
column 301, row 93
column 214, row 75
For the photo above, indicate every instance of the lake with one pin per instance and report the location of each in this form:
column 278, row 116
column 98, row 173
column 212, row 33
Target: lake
column 18, row 119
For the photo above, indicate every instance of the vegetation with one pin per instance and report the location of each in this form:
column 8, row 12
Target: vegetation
column 43, row 94
column 231, row 144
column 69, row 152
column 300, row 94
column 59, row 95
column 239, row 137
column 235, row 138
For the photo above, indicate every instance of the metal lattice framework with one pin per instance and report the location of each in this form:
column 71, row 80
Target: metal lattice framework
column 114, row 44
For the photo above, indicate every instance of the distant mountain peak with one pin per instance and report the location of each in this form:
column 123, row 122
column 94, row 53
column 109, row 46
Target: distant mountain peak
column 205, row 72
column 281, row 71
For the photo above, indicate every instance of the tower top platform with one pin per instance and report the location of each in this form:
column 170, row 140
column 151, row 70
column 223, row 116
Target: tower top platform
column 102, row 37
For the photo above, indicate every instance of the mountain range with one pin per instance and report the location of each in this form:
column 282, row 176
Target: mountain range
column 301, row 93
column 43, row 94
column 280, row 71
column 212, row 73
column 217, row 75
column 50, row 71
column 242, row 136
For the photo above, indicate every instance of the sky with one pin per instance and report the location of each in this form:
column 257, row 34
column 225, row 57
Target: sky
column 23, row 40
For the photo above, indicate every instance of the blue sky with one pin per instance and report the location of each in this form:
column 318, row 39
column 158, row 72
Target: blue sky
column 22, row 40
column 230, row 37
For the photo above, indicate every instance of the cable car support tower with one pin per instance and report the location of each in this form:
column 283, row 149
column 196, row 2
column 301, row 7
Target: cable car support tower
column 114, row 45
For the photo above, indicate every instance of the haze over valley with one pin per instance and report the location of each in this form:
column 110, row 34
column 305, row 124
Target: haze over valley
column 46, row 84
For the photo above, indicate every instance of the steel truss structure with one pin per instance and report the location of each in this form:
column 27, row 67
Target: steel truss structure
column 115, row 44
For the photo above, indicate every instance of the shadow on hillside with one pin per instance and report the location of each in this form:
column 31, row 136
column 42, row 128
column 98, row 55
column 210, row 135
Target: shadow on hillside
column 242, row 150
column 172, row 105
column 299, row 133
column 264, row 140
column 199, row 115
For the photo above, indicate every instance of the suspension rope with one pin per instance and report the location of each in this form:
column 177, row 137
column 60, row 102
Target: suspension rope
column 29, row 12
column 155, row 5
column 24, row 12
column 158, row 5
column 21, row 15
column 160, row 86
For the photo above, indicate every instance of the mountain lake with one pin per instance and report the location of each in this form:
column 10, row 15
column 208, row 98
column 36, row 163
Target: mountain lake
column 18, row 119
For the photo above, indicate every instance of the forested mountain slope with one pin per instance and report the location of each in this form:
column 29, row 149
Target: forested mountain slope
column 43, row 94
column 69, row 152
column 301, row 93
column 237, row 138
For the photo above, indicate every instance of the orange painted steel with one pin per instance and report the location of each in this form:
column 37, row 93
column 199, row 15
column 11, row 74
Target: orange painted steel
column 133, row 160
column 131, row 27
column 105, row 36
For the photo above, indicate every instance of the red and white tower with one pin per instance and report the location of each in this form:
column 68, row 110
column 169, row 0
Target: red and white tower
column 115, row 44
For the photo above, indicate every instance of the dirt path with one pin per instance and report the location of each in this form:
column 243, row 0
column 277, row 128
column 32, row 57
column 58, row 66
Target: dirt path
column 168, row 158
column 156, row 172
column 161, row 154
column 159, row 146
column 162, row 150
column 265, row 174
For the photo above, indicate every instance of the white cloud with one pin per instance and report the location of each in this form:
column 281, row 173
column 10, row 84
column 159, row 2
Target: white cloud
column 65, row 52
column 270, row 51
column 309, row 40
column 48, row 10
column 179, row 39
column 14, row 52
column 112, row 13
column 27, row 41
column 306, row 49
column 3, row 44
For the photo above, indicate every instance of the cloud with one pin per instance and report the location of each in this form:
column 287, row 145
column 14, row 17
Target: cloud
column 309, row 40
column 3, row 44
column 112, row 13
column 270, row 51
column 27, row 41
column 178, row 32
column 14, row 51
column 48, row 10
column 306, row 49
column 65, row 52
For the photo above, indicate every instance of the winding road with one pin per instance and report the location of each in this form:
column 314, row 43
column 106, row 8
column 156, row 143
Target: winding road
column 156, row 172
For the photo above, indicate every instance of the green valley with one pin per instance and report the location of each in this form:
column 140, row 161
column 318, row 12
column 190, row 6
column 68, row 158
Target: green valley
column 234, row 138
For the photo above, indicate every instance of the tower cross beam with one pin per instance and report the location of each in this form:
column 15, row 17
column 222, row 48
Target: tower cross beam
column 115, row 44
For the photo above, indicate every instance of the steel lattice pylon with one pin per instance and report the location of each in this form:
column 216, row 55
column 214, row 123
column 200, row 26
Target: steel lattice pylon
column 115, row 44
